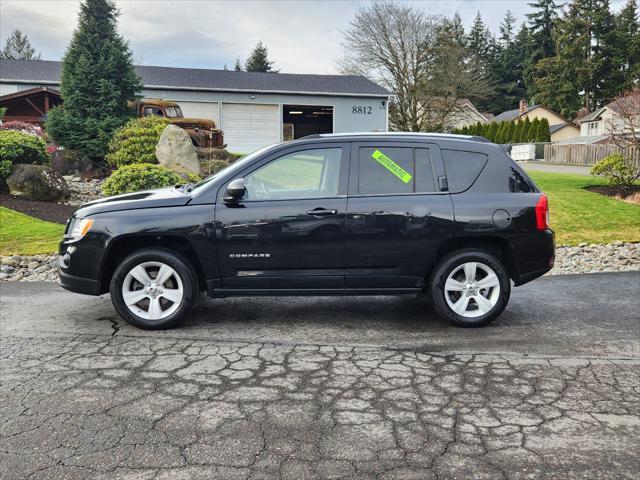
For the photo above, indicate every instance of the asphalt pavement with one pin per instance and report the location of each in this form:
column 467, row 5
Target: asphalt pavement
column 360, row 387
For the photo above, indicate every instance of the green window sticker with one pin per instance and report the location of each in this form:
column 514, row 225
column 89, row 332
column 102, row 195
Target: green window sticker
column 392, row 166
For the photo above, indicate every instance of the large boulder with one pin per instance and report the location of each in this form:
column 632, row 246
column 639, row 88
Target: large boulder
column 176, row 152
column 37, row 182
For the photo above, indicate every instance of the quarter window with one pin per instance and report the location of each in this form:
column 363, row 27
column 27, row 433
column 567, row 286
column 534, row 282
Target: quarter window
column 303, row 174
column 394, row 170
column 462, row 168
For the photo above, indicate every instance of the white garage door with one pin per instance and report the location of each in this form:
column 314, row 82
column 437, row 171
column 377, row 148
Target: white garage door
column 200, row 110
column 248, row 127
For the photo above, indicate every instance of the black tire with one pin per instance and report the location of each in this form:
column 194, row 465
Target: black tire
column 450, row 263
column 182, row 268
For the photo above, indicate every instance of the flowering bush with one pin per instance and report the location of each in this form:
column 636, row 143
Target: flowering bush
column 22, row 127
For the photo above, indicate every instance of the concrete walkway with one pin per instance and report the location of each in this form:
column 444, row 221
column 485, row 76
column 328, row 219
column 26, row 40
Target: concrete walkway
column 548, row 167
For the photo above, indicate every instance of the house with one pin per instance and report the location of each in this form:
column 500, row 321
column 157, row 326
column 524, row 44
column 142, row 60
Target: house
column 610, row 119
column 560, row 127
column 254, row 109
column 466, row 115
column 31, row 105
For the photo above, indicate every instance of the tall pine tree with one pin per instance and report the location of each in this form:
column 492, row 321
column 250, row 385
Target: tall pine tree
column 18, row 47
column 542, row 26
column 97, row 81
column 258, row 60
column 627, row 49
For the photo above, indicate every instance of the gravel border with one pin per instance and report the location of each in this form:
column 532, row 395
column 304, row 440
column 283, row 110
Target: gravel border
column 585, row 258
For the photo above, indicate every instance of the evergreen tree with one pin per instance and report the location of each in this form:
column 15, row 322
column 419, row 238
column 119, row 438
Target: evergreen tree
column 542, row 25
column 508, row 68
column 526, row 129
column 18, row 47
column 483, row 54
column 627, row 49
column 507, row 29
column 97, row 81
column 493, row 132
column 517, row 132
column 544, row 133
column 237, row 67
column 258, row 60
column 533, row 130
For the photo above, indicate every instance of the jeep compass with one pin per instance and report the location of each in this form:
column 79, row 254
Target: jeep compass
column 449, row 216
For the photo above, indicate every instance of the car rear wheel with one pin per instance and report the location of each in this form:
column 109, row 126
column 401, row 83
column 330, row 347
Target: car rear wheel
column 470, row 288
column 153, row 289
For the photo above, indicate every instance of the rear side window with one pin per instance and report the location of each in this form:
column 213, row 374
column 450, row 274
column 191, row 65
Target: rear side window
column 394, row 170
column 462, row 168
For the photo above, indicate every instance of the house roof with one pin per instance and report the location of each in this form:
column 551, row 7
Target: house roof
column 31, row 91
column 513, row 114
column 508, row 115
column 559, row 126
column 591, row 116
column 583, row 140
column 48, row 72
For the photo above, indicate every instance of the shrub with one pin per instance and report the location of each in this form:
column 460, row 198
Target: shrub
column 132, row 178
column 617, row 169
column 136, row 141
column 17, row 147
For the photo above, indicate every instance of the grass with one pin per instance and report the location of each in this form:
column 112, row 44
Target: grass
column 24, row 235
column 578, row 215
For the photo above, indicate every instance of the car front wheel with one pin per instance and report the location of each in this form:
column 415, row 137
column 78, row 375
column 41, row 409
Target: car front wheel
column 153, row 289
column 470, row 288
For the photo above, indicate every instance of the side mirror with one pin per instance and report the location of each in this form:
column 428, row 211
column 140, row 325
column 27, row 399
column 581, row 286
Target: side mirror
column 235, row 191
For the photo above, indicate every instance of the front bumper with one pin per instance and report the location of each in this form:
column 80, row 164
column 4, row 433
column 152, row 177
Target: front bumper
column 85, row 286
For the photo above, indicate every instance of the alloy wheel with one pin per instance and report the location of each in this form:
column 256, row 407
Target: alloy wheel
column 152, row 290
column 472, row 289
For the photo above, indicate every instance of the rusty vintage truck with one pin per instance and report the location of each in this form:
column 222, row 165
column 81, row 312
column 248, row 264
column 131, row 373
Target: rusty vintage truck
column 203, row 132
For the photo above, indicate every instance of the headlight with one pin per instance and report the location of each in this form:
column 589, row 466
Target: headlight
column 81, row 227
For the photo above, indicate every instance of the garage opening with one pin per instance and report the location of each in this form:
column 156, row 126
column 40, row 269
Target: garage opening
column 301, row 120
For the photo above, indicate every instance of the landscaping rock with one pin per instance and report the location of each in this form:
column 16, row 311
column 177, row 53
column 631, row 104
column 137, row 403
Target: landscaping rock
column 83, row 191
column 176, row 152
column 37, row 182
column 612, row 257
column 69, row 162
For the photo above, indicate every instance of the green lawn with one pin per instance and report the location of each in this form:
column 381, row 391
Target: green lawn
column 578, row 215
column 24, row 235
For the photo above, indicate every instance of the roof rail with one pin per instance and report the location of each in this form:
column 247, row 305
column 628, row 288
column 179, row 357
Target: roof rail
column 473, row 138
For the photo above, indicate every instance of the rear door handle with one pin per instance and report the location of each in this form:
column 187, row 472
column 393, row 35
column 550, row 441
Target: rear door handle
column 322, row 212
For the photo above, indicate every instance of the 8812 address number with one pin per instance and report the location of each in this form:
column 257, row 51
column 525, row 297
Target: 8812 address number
column 360, row 110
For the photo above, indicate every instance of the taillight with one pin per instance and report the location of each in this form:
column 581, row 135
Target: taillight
column 542, row 213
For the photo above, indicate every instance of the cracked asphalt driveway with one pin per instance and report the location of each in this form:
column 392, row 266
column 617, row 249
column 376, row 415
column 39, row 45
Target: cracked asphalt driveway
column 366, row 387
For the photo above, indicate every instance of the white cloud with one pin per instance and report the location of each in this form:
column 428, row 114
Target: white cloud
column 302, row 36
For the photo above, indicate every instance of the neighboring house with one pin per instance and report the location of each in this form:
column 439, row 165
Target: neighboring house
column 607, row 120
column 30, row 105
column 253, row 109
column 560, row 127
column 467, row 114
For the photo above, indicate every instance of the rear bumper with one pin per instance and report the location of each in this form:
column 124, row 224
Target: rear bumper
column 85, row 286
column 534, row 255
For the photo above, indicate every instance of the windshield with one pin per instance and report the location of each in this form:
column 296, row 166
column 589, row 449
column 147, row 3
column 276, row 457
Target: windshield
column 235, row 166
column 173, row 112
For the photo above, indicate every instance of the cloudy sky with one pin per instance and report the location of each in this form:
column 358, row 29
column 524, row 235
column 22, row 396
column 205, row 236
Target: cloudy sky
column 302, row 36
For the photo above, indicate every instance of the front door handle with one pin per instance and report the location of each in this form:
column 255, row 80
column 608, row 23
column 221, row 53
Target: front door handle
column 322, row 212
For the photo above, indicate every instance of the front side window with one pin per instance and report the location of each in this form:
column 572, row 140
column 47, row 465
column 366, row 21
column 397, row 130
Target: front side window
column 303, row 174
column 394, row 170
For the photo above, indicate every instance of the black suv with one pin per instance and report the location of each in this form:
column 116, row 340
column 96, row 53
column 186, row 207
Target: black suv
column 345, row 214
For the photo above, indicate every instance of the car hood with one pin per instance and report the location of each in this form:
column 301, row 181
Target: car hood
column 162, row 197
column 194, row 122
